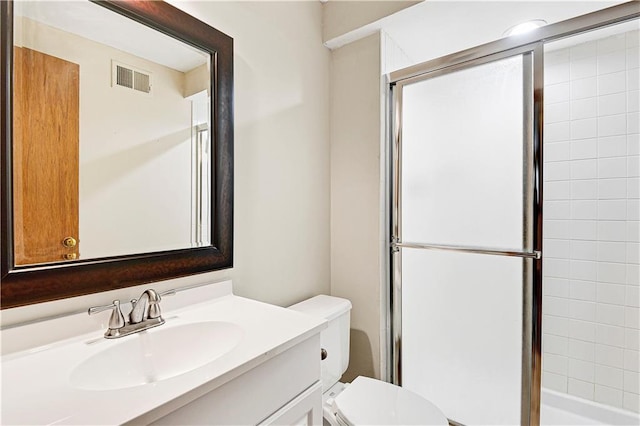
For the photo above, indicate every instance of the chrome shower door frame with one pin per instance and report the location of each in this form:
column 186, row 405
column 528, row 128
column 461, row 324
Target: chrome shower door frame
column 531, row 47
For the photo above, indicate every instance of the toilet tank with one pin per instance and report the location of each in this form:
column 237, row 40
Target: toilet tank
column 335, row 338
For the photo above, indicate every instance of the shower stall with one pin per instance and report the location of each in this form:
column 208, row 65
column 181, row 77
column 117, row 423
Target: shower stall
column 514, row 192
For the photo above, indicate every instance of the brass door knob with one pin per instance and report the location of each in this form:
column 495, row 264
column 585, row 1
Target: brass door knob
column 69, row 256
column 69, row 242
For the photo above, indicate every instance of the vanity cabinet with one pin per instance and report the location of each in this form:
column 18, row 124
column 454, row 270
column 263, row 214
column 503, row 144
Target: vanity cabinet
column 284, row 390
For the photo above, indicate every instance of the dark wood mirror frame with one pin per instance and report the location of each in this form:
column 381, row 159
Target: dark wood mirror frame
column 26, row 285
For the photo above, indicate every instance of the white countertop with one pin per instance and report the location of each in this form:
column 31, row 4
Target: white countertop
column 36, row 388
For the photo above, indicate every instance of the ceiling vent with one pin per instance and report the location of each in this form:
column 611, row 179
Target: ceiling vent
column 128, row 77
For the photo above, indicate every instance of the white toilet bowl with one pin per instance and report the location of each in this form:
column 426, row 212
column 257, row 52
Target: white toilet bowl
column 365, row 401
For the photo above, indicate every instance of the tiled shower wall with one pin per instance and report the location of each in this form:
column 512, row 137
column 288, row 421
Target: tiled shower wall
column 592, row 217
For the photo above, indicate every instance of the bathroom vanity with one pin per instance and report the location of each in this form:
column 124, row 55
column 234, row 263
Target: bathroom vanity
column 218, row 359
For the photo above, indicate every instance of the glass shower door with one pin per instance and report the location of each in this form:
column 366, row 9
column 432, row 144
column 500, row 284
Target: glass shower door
column 463, row 236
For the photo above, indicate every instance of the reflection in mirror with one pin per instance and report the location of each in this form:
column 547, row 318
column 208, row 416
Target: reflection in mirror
column 111, row 146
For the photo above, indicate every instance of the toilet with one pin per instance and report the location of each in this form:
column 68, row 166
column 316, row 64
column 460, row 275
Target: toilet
column 365, row 401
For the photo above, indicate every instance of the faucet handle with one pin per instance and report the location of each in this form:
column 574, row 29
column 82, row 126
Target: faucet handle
column 154, row 305
column 117, row 319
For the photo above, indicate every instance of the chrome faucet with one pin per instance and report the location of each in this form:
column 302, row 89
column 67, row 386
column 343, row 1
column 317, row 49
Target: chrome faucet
column 145, row 307
column 145, row 313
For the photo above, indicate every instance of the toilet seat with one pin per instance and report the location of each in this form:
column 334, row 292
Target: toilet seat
column 373, row 402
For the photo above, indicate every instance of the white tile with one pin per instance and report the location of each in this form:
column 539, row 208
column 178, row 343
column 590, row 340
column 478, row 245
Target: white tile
column 560, row 170
column 633, row 231
column 612, row 209
column 610, row 314
column 633, row 188
column 557, row 306
column 557, row 209
column 633, row 122
column 633, row 38
column 557, row 73
column 584, row 250
column 611, row 44
column 612, row 62
column 610, row 293
column 561, row 190
column 582, row 370
column 559, row 112
column 632, row 339
column 615, row 273
column 611, row 125
column 556, row 93
column 633, row 209
column 610, row 335
column 555, row 344
column 584, row 148
column 556, row 364
column 633, row 79
column 558, row 268
column 588, row 87
column 609, row 355
column 612, row 230
column 584, row 271
column 555, row 132
column 632, row 382
column 582, row 330
column 584, row 169
column 584, row 230
column 633, row 253
column 633, row 57
column 556, row 325
column 584, row 50
column 581, row 310
column 609, row 376
column 586, row 128
column 615, row 167
column 559, row 151
column 581, row 389
column 608, row 396
column 633, row 166
column 612, row 146
column 557, row 382
column 612, row 188
column 558, row 287
column 631, row 402
column 633, row 274
column 579, row 349
column 611, row 251
column 584, row 189
column 633, row 144
column 557, row 229
column 631, row 317
column 632, row 296
column 582, row 68
column 583, row 108
column 584, row 209
column 607, row 84
column 633, row 101
column 556, row 56
column 612, row 104
column 631, row 360
column 582, row 290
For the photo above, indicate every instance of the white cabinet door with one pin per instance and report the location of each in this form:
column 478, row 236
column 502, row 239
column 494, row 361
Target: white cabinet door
column 304, row 410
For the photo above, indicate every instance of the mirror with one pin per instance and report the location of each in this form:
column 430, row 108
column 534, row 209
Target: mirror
column 117, row 147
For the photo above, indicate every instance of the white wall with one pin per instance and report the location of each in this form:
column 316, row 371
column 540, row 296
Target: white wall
column 592, row 213
column 281, row 157
column 356, row 132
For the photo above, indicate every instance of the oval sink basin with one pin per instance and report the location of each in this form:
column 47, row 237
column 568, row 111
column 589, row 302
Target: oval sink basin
column 155, row 355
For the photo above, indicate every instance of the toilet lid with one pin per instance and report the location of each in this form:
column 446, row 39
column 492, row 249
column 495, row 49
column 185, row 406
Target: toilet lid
column 373, row 402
